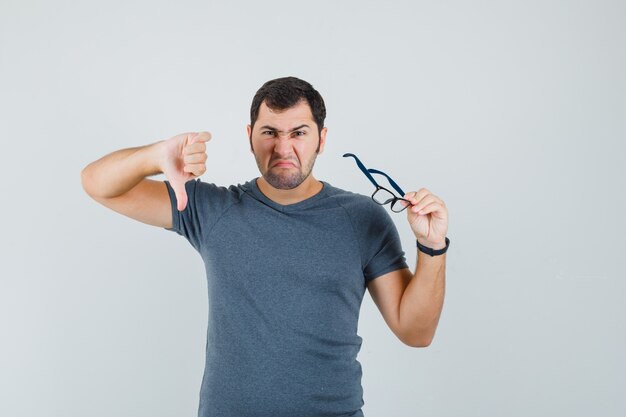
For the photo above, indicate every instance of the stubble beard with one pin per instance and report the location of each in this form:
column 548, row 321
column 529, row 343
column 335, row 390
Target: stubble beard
column 286, row 179
column 280, row 178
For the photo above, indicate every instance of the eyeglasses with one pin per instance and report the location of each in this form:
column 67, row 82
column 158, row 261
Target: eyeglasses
column 382, row 195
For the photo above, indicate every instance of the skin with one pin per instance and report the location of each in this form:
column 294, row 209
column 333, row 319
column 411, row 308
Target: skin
column 410, row 303
column 290, row 136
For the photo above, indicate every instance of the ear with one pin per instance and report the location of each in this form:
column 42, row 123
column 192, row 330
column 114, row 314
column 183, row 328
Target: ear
column 322, row 140
column 249, row 130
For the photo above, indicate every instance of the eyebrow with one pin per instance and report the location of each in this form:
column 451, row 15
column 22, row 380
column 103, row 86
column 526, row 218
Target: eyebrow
column 292, row 130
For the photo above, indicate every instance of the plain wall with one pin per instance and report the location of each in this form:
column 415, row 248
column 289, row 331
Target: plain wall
column 514, row 113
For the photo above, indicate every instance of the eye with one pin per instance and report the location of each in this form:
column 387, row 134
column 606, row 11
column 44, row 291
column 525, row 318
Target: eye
column 266, row 132
column 299, row 133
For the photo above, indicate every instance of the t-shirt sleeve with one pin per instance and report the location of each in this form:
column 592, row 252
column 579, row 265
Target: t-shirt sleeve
column 206, row 203
column 381, row 246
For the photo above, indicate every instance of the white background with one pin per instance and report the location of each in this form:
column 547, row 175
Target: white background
column 514, row 113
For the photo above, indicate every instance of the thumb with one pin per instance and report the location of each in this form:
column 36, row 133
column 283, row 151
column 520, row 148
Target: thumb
column 201, row 137
column 181, row 194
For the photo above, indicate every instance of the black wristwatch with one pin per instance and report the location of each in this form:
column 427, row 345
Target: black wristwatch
column 431, row 251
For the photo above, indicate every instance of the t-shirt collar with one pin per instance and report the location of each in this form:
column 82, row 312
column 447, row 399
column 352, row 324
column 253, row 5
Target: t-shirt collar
column 252, row 188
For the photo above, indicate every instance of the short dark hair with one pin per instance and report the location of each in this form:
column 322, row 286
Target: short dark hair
column 286, row 92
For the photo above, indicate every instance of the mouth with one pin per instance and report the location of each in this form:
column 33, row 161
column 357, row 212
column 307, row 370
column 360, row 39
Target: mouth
column 284, row 164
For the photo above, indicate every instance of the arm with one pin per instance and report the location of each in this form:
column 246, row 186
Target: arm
column 422, row 300
column 411, row 304
column 118, row 180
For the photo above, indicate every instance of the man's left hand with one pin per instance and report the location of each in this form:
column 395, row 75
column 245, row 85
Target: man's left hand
column 428, row 217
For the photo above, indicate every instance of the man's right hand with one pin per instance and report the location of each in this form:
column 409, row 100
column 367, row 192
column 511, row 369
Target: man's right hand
column 184, row 158
column 119, row 180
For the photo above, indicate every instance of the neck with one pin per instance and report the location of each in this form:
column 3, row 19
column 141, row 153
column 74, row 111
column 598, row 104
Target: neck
column 307, row 189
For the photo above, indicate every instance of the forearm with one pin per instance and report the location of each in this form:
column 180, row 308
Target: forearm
column 116, row 173
column 422, row 301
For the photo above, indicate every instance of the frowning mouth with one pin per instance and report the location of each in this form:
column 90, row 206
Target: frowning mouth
column 284, row 164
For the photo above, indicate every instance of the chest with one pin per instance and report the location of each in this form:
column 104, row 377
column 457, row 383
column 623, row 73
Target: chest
column 288, row 254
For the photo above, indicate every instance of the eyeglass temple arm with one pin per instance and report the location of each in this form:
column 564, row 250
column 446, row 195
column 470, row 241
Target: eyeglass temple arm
column 392, row 182
column 362, row 167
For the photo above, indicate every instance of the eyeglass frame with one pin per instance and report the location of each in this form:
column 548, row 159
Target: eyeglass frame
column 368, row 173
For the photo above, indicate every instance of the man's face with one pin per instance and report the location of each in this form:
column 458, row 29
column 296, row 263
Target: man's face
column 285, row 144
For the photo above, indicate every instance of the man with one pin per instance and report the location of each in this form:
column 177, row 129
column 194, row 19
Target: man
column 288, row 258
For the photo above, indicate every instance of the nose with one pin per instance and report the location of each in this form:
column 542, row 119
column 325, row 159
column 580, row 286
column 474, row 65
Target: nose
column 282, row 145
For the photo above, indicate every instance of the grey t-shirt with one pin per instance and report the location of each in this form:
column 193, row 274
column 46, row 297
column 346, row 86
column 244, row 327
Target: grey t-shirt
column 285, row 285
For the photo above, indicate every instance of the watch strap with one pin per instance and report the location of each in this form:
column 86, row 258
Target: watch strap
column 431, row 251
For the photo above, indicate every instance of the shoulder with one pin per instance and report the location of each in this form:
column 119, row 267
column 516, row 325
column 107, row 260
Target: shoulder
column 212, row 190
column 357, row 205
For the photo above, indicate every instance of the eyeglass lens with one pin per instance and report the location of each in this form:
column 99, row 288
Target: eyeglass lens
column 399, row 205
column 383, row 196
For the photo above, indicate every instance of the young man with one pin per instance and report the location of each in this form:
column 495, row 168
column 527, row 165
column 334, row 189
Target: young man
column 288, row 259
